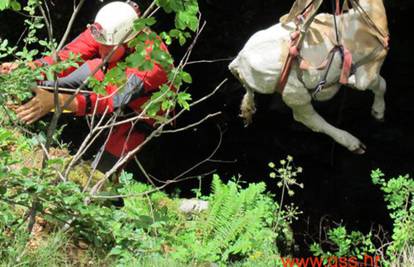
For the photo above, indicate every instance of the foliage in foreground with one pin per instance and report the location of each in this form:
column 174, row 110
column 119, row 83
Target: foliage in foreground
column 399, row 196
column 241, row 224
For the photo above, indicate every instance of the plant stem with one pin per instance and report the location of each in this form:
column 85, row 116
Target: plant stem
column 280, row 206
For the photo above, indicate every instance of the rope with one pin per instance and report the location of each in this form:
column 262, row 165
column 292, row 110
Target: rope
column 307, row 7
column 296, row 44
column 368, row 18
column 322, row 83
column 357, row 6
column 335, row 10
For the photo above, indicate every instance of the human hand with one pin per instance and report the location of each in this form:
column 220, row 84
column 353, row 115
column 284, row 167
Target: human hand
column 7, row 67
column 37, row 107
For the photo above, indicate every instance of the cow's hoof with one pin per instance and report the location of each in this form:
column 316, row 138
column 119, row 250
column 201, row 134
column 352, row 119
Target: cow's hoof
column 378, row 116
column 360, row 150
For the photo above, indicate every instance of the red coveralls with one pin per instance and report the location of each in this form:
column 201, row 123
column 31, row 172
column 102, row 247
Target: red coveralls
column 122, row 139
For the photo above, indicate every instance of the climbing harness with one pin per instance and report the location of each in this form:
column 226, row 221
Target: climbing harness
column 304, row 19
column 303, row 22
column 338, row 47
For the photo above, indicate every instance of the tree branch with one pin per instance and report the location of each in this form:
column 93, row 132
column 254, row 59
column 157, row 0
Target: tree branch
column 193, row 124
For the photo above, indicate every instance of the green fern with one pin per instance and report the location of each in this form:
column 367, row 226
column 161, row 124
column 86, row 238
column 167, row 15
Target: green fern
column 238, row 224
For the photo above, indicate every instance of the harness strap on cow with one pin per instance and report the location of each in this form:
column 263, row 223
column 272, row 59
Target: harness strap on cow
column 298, row 36
column 335, row 12
column 382, row 37
column 346, row 56
column 323, row 81
column 297, row 39
column 338, row 47
column 303, row 22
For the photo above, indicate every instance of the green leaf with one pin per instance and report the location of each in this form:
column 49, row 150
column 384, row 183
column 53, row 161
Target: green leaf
column 159, row 55
column 142, row 23
column 126, row 178
column 168, row 104
column 186, row 77
column 50, row 74
column 4, row 4
column 15, row 6
column 57, row 161
column 167, row 38
column 3, row 190
column 135, row 60
column 100, row 90
column 115, row 75
column 175, row 33
column 182, row 40
column 183, row 99
column 147, row 65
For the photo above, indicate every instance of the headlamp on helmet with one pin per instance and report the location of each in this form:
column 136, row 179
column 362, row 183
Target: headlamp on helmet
column 114, row 23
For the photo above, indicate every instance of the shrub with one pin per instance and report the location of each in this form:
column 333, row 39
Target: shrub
column 242, row 225
column 399, row 196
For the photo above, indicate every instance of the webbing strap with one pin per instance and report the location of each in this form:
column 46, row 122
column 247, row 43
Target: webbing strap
column 296, row 42
column 338, row 8
column 335, row 12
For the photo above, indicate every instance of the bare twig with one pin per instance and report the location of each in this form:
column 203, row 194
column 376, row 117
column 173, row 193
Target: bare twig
column 210, row 61
column 52, row 127
column 140, row 116
column 149, row 9
column 143, row 171
column 179, row 178
column 157, row 131
column 205, row 160
column 70, row 24
column 87, row 142
column 64, row 90
column 193, row 124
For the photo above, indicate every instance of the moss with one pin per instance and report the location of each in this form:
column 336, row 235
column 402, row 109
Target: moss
column 82, row 172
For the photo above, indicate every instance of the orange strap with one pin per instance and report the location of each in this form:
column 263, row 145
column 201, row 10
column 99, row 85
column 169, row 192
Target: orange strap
column 346, row 66
column 338, row 10
column 287, row 67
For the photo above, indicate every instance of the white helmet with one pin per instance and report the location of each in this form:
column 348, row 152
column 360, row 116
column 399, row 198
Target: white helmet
column 114, row 21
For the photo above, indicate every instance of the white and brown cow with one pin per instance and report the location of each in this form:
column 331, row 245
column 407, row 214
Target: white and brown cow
column 259, row 64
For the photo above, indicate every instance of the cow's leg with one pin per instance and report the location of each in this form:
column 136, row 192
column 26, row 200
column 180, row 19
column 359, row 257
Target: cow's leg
column 378, row 106
column 367, row 77
column 299, row 100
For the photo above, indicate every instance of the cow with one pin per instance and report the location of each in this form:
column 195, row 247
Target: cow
column 362, row 31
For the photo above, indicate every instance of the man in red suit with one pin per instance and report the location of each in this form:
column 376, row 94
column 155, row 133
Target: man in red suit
column 113, row 26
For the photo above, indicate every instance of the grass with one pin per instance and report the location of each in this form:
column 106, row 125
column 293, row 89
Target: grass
column 54, row 249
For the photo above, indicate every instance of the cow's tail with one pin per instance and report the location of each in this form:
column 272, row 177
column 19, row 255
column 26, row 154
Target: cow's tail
column 248, row 107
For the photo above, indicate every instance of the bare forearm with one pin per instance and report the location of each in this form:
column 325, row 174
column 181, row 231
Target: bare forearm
column 72, row 106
